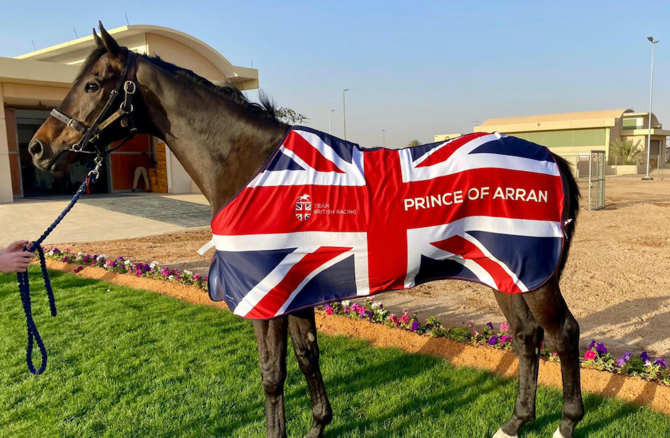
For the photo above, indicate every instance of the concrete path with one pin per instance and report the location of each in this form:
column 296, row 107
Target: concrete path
column 103, row 217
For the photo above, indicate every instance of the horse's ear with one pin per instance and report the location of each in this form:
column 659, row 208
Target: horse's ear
column 96, row 38
column 109, row 42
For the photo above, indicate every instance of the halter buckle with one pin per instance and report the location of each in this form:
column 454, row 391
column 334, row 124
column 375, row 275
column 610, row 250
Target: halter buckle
column 128, row 89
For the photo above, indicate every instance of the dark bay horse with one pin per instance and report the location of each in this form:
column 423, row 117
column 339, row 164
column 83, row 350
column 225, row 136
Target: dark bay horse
column 222, row 140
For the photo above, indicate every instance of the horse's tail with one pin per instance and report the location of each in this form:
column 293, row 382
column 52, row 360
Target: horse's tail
column 572, row 196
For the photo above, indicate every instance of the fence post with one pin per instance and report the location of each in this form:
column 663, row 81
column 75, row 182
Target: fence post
column 590, row 172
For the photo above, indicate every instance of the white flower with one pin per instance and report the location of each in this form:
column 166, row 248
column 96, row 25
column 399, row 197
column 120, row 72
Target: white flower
column 80, row 253
column 79, row 258
column 189, row 273
column 126, row 262
column 346, row 303
column 101, row 257
column 153, row 265
column 376, row 305
column 171, row 277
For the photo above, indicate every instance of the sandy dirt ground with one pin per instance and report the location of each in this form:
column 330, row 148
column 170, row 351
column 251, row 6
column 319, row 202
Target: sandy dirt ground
column 616, row 282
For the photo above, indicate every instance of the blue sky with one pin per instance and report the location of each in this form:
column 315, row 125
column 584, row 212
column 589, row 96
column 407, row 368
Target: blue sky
column 414, row 68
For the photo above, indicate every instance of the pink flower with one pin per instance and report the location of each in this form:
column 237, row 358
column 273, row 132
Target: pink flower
column 138, row 273
column 590, row 355
column 504, row 327
column 329, row 310
column 405, row 318
column 394, row 319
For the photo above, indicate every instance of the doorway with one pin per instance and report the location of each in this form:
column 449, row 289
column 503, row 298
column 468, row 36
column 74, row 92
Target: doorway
column 37, row 183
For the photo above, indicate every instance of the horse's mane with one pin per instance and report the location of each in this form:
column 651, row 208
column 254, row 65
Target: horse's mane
column 265, row 108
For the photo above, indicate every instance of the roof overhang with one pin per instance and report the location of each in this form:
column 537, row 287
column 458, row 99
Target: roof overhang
column 645, row 132
column 245, row 78
column 37, row 72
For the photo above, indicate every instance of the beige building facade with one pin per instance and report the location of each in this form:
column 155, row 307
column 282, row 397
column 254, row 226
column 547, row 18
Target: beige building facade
column 583, row 132
column 34, row 83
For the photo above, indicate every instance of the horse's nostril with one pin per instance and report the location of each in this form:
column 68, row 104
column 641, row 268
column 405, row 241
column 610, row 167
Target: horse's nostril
column 35, row 148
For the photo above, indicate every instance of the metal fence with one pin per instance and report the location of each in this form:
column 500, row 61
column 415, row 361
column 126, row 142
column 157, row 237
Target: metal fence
column 590, row 169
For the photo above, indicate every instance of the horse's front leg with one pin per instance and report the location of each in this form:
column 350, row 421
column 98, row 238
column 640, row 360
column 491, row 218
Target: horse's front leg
column 272, row 337
column 303, row 334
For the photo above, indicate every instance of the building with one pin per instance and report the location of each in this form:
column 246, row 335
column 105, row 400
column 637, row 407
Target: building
column 571, row 133
column 34, row 83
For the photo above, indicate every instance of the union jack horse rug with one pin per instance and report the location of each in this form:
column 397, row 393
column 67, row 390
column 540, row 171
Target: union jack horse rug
column 325, row 219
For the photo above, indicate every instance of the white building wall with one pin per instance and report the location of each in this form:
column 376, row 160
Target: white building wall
column 6, row 194
column 179, row 182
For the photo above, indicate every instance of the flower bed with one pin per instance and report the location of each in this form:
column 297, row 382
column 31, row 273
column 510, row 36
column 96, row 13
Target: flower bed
column 596, row 356
column 123, row 266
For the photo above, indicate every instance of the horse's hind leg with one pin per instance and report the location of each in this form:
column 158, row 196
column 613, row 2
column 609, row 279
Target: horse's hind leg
column 272, row 337
column 527, row 341
column 551, row 311
column 303, row 334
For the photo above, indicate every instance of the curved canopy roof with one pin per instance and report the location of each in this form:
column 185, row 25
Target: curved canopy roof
column 73, row 52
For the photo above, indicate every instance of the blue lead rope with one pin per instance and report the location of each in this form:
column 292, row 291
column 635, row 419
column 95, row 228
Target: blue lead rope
column 24, row 283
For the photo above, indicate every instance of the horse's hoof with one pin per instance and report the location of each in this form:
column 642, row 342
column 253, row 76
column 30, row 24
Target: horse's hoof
column 501, row 434
column 558, row 433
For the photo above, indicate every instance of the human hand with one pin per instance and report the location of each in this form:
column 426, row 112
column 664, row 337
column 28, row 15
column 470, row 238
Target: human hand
column 15, row 246
column 16, row 261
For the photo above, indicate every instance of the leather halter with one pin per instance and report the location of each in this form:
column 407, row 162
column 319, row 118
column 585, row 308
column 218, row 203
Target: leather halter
column 91, row 134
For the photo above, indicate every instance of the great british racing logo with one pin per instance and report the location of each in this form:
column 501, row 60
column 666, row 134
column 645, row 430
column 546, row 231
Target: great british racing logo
column 303, row 207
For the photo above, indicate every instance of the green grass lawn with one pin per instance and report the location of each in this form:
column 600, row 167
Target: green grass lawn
column 127, row 363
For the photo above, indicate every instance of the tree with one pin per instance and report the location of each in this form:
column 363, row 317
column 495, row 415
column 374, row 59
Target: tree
column 414, row 143
column 290, row 116
column 626, row 151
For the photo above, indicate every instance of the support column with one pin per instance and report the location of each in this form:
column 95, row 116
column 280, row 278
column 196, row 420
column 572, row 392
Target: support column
column 6, row 194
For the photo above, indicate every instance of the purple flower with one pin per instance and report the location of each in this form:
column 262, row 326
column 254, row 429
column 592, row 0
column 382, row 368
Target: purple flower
column 601, row 350
column 65, row 259
column 415, row 326
column 645, row 357
column 490, row 325
column 78, row 270
column 591, row 345
column 120, row 258
column 55, row 251
column 493, row 340
column 661, row 362
column 624, row 359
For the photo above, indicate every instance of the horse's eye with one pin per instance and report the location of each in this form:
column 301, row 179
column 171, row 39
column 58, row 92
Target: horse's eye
column 92, row 87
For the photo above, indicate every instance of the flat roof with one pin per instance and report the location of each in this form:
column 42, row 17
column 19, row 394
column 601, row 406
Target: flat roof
column 559, row 117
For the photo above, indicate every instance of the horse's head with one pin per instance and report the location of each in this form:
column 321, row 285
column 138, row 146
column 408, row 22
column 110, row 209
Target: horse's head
column 91, row 90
